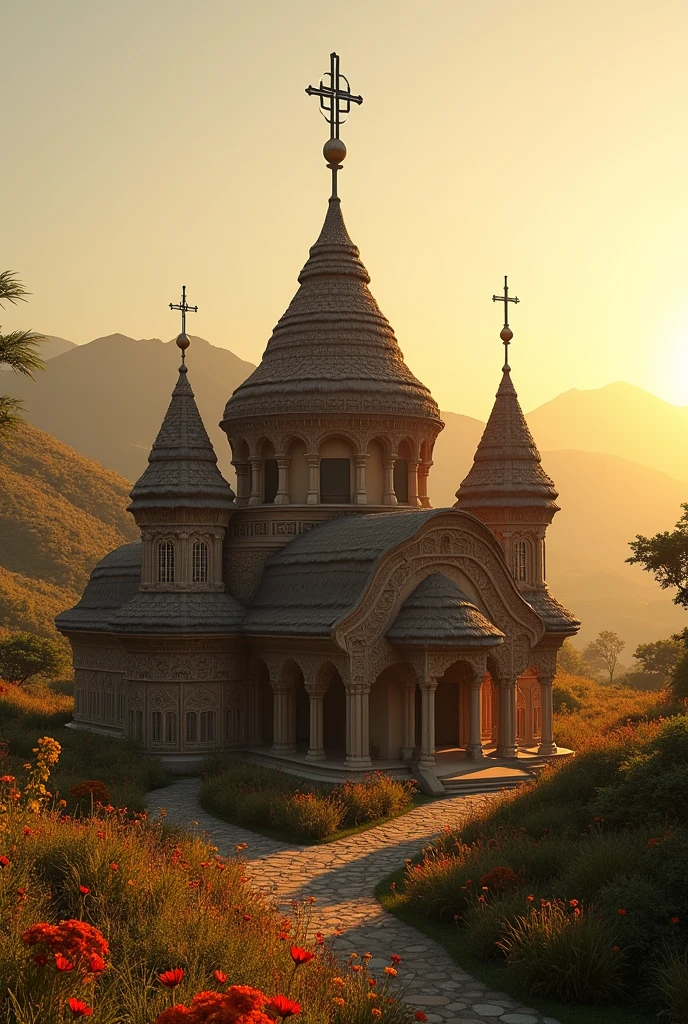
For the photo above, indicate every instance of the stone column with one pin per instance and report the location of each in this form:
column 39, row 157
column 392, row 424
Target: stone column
column 409, row 720
column 284, row 718
column 282, row 496
column 243, row 475
column 506, row 738
column 547, row 744
column 389, row 497
column 313, row 479
column 361, row 493
column 316, row 749
column 427, row 753
column 256, row 480
column 423, row 473
column 357, row 726
column 474, row 749
column 413, row 465
column 254, row 725
column 148, row 567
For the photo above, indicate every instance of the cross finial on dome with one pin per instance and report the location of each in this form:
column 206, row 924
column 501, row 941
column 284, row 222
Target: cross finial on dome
column 182, row 340
column 335, row 103
column 506, row 334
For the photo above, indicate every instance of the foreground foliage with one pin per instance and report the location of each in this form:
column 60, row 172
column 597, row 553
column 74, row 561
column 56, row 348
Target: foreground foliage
column 576, row 884
column 114, row 917
column 255, row 796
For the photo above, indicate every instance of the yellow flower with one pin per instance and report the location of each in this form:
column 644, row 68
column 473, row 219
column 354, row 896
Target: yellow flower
column 339, row 982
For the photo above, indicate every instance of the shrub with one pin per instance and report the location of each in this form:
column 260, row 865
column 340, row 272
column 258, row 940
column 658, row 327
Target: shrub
column 443, row 885
column 669, row 984
column 377, row 796
column 498, row 879
column 558, row 953
column 599, row 860
column 307, row 816
column 92, row 790
column 647, row 921
column 486, row 921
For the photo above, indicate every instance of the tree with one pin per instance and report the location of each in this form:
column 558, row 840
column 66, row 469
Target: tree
column 660, row 657
column 604, row 651
column 23, row 655
column 570, row 660
column 666, row 555
column 18, row 350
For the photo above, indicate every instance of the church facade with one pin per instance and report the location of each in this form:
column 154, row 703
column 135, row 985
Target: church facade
column 325, row 612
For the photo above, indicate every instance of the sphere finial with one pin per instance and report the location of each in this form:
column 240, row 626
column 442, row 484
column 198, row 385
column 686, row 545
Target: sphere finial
column 334, row 152
column 506, row 334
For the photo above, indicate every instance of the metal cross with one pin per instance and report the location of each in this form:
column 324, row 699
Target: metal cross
column 185, row 308
column 506, row 333
column 335, row 104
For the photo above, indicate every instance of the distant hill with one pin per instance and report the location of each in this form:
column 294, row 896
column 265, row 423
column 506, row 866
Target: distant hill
column 107, row 399
column 618, row 419
column 59, row 514
column 55, row 346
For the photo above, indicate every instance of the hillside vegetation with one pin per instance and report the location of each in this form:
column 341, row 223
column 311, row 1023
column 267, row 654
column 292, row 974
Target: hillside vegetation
column 59, row 514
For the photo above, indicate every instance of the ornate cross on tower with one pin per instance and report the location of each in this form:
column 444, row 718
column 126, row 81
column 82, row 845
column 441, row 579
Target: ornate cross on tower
column 335, row 103
column 506, row 334
column 182, row 340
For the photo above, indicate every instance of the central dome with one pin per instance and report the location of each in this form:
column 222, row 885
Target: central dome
column 333, row 350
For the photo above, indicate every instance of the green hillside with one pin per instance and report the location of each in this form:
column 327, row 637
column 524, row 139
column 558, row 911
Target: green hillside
column 59, row 514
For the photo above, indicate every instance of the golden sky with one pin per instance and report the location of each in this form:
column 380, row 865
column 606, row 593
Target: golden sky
column 147, row 144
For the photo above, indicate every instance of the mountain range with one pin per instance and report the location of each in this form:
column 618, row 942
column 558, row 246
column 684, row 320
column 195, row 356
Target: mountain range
column 616, row 454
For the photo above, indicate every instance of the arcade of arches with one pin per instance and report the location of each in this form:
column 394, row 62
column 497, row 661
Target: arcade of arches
column 399, row 717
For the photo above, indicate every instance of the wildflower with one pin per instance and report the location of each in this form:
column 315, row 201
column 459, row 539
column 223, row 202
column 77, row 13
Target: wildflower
column 21, row 893
column 7, row 778
column 622, row 912
column 375, row 1012
column 395, row 959
column 300, row 956
column 392, row 971
column 96, row 964
column 339, row 982
column 616, row 949
column 675, row 920
column 283, row 1006
column 372, row 981
column 247, row 917
column 84, row 890
column 653, row 842
column 4, row 861
column 78, row 1008
column 114, row 867
column 27, row 831
column 338, row 1001
column 573, row 903
column 63, row 964
column 419, row 1015
column 367, row 956
column 172, row 978
column 355, row 967
column 220, row 977
column 371, row 995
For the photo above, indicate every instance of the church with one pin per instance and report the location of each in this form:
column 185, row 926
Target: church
column 324, row 617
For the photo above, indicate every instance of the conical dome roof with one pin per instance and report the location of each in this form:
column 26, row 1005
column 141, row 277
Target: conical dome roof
column 182, row 466
column 506, row 467
column 333, row 345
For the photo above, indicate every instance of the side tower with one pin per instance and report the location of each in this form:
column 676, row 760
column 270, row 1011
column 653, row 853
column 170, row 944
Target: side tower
column 508, row 490
column 332, row 421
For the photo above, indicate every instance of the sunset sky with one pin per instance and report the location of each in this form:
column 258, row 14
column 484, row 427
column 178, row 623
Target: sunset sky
column 146, row 145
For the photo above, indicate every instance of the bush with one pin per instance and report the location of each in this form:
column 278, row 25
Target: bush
column 377, row 796
column 647, row 919
column 307, row 816
column 669, row 984
column 565, row 954
column 599, row 860
column 23, row 655
column 443, row 885
column 486, row 922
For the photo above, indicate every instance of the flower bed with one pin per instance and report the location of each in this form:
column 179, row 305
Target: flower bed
column 113, row 917
column 254, row 796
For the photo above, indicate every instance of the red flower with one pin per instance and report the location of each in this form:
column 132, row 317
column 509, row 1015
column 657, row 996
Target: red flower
column 78, row 1008
column 171, row 978
column 419, row 1015
column 4, row 861
column 62, row 963
column 97, row 964
column 675, row 920
column 283, row 1006
column 114, row 867
column 220, row 977
column 247, row 917
column 622, row 912
column 27, row 831
column 395, row 959
column 616, row 949
column 84, row 890
column 300, row 956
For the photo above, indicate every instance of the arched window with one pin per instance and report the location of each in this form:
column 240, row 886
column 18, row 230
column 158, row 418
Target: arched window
column 199, row 572
column 170, row 727
column 165, row 562
column 520, row 561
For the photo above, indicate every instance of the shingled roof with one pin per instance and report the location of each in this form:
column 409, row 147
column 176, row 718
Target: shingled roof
column 556, row 617
column 332, row 343
column 506, row 467
column 182, row 466
column 113, row 583
column 438, row 613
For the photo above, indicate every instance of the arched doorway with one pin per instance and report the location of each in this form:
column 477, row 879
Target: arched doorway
column 451, row 708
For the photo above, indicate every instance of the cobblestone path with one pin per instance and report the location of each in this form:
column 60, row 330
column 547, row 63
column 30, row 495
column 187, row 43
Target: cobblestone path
column 342, row 876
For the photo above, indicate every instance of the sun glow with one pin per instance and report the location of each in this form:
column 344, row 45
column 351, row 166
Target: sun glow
column 674, row 366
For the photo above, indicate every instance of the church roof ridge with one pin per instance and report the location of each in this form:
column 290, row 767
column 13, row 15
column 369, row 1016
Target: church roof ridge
column 332, row 344
column 182, row 465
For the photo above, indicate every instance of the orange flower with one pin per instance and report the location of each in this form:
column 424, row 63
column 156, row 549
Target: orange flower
column 172, row 978
column 283, row 1006
column 78, row 1008
column 375, row 1012
column 339, row 982
column 114, row 867
column 392, row 971
column 96, row 964
column 622, row 912
column 300, row 956
column 338, row 1001
column 355, row 967
column 419, row 1015
column 675, row 920
column 220, row 977
column 63, row 964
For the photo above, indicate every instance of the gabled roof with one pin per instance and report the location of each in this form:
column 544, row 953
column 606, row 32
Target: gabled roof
column 506, row 468
column 182, row 466
column 438, row 612
column 332, row 343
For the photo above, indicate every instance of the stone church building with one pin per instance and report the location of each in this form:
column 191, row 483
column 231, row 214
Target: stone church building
column 325, row 613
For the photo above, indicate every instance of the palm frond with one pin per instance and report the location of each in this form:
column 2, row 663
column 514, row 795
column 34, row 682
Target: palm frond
column 9, row 414
column 11, row 289
column 19, row 350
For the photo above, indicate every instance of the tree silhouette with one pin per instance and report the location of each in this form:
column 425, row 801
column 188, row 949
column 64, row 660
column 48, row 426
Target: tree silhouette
column 604, row 651
column 666, row 556
column 18, row 349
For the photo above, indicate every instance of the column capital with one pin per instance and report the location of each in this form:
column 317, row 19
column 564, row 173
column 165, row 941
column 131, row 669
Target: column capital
column 316, row 689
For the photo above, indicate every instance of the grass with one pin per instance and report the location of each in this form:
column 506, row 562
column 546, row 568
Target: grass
column 29, row 712
column 287, row 808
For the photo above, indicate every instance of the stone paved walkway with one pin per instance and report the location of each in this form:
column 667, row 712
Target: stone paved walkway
column 342, row 876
